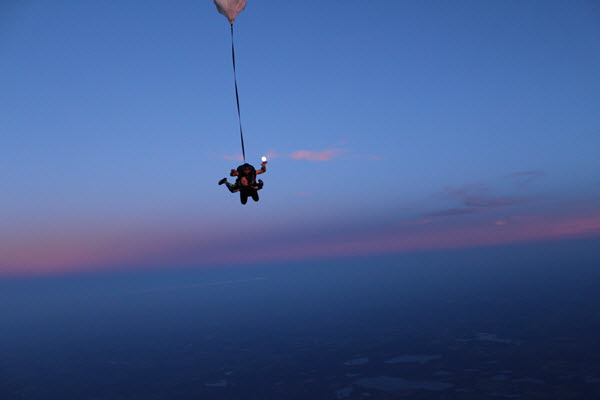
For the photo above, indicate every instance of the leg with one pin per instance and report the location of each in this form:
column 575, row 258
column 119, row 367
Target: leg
column 243, row 196
column 231, row 186
column 254, row 195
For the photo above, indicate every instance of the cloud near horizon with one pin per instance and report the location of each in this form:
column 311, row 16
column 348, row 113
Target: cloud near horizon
column 306, row 155
column 475, row 199
column 523, row 178
column 324, row 155
column 233, row 157
column 206, row 247
column 492, row 202
column 454, row 211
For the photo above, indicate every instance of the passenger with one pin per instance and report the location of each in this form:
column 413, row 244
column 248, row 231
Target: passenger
column 246, row 181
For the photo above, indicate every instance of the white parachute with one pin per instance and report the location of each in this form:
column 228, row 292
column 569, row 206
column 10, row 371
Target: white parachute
column 230, row 8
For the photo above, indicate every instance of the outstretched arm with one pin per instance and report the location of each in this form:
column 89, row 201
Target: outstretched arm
column 263, row 168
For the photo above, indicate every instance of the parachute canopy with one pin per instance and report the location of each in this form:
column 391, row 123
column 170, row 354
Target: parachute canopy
column 230, row 8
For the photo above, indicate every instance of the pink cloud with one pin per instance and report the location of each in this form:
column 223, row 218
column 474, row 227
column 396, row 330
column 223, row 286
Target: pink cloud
column 234, row 157
column 324, row 155
column 272, row 154
column 307, row 155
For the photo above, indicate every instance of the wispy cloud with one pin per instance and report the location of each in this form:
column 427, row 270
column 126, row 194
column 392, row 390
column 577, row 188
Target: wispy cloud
column 273, row 154
column 306, row 155
column 323, row 155
column 524, row 178
column 475, row 199
column 462, row 192
column 234, row 157
column 454, row 211
column 579, row 226
column 492, row 202
column 328, row 155
column 416, row 222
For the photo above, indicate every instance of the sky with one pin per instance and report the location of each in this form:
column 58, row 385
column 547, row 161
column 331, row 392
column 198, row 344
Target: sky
column 389, row 127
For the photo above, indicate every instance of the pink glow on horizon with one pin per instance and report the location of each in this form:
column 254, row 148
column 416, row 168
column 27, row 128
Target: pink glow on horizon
column 76, row 251
column 210, row 247
column 581, row 226
column 405, row 241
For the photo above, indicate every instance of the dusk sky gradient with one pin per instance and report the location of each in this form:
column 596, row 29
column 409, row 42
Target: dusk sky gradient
column 389, row 127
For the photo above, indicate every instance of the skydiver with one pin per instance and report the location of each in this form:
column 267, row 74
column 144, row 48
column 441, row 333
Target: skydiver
column 246, row 181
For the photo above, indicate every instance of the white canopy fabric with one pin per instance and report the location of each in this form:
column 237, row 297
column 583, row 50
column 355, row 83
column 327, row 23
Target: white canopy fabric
column 230, row 8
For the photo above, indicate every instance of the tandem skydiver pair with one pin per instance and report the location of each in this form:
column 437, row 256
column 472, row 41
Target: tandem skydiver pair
column 246, row 182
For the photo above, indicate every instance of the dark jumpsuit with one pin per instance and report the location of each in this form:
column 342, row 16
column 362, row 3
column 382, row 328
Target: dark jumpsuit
column 245, row 191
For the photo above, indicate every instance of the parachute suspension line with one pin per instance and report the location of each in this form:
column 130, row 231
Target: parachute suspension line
column 237, row 97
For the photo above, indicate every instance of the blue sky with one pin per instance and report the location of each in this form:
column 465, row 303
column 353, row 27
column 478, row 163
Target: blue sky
column 389, row 126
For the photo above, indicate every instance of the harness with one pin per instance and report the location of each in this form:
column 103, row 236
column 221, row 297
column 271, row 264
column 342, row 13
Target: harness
column 251, row 176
